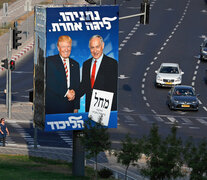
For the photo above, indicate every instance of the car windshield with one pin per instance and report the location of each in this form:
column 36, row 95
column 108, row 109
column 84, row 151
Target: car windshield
column 184, row 92
column 167, row 69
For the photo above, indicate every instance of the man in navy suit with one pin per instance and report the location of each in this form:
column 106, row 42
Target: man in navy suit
column 105, row 73
column 62, row 79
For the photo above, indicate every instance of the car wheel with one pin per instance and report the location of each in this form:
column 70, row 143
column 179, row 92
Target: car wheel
column 157, row 85
column 170, row 106
column 201, row 57
column 196, row 109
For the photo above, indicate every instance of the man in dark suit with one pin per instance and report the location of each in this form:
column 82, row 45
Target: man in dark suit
column 62, row 79
column 99, row 72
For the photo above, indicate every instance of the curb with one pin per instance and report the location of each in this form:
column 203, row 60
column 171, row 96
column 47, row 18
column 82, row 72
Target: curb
column 20, row 54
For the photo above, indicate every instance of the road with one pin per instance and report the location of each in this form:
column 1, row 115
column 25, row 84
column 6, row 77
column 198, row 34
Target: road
column 173, row 35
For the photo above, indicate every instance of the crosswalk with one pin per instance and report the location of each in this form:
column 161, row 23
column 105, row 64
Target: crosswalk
column 124, row 119
column 180, row 121
column 20, row 135
column 66, row 138
column 29, row 140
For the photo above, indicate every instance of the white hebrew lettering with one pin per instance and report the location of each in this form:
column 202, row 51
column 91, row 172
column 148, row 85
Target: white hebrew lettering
column 76, row 121
column 106, row 21
column 62, row 125
column 51, row 124
column 54, row 26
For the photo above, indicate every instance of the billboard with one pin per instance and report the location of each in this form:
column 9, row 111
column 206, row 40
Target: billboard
column 80, row 66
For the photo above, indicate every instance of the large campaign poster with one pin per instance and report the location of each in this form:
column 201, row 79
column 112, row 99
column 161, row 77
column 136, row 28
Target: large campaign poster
column 100, row 102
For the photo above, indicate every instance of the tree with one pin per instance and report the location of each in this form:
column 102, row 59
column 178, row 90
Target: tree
column 196, row 159
column 129, row 153
column 163, row 155
column 95, row 139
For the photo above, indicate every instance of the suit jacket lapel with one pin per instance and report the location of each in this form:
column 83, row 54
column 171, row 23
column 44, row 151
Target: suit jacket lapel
column 60, row 68
column 100, row 71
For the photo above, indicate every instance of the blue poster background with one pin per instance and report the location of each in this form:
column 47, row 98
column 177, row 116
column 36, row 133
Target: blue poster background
column 80, row 45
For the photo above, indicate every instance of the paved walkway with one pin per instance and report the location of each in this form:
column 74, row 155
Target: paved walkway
column 21, row 112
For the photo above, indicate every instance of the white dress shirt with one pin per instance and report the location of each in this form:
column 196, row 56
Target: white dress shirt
column 98, row 63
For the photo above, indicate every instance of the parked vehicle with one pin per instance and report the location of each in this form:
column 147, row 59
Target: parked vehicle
column 168, row 75
column 203, row 50
column 182, row 97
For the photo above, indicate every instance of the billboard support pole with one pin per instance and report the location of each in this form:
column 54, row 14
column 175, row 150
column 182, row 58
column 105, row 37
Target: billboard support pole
column 78, row 154
column 35, row 136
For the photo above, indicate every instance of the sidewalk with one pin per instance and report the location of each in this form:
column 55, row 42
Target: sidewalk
column 21, row 112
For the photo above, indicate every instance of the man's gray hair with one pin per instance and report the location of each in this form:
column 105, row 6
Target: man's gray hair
column 96, row 36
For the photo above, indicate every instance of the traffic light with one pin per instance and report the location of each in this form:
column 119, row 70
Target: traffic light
column 31, row 96
column 4, row 63
column 12, row 65
column 147, row 13
column 90, row 1
column 142, row 11
column 145, row 8
column 16, row 38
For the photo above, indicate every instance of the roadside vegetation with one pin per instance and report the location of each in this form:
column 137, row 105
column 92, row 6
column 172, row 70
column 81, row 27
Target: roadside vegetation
column 20, row 167
column 165, row 157
column 6, row 1
column 4, row 28
column 155, row 157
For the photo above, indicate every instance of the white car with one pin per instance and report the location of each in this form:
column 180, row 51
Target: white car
column 168, row 75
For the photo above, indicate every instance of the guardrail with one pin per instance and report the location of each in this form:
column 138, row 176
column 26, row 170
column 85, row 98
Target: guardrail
column 117, row 174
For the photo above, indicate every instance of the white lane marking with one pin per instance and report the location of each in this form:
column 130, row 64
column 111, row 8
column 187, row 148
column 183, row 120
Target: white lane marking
column 153, row 111
column 202, row 121
column 125, row 109
column 204, row 108
column 138, row 53
column 144, row 118
column 194, row 77
column 151, row 34
column 122, row 76
column 172, row 119
column 129, row 119
column 159, row 119
column 186, row 121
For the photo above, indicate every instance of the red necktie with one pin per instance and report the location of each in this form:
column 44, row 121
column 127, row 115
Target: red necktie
column 93, row 74
column 66, row 69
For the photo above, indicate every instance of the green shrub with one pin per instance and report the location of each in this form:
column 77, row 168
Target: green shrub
column 105, row 173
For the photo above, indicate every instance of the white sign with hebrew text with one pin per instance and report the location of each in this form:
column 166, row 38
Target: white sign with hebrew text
column 100, row 107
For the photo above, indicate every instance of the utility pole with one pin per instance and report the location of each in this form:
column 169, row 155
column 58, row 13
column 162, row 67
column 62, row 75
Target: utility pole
column 9, row 64
column 145, row 7
column 144, row 15
column 27, row 8
column 8, row 85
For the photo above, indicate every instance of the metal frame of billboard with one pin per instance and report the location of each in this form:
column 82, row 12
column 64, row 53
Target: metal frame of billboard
column 80, row 23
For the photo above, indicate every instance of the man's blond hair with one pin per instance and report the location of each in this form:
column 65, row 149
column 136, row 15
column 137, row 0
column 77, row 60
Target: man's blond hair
column 64, row 38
